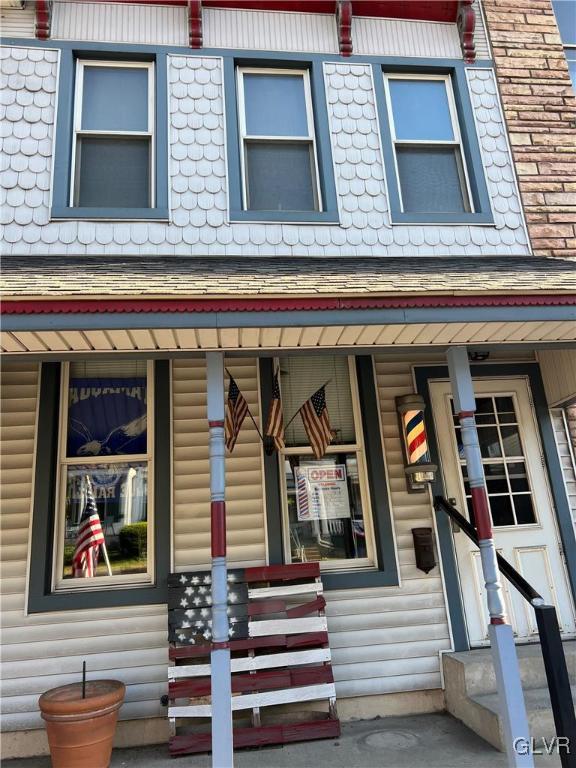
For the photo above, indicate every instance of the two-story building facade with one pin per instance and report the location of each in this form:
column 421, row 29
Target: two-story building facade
column 324, row 190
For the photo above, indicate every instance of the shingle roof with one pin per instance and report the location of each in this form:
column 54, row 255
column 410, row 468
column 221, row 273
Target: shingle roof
column 177, row 277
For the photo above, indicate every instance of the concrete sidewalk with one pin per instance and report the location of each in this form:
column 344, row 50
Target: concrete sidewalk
column 421, row 741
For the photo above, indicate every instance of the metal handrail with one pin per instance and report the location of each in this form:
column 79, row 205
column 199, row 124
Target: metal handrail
column 550, row 643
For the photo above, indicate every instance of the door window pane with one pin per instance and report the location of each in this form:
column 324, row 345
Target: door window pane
column 275, row 105
column 524, row 509
column 489, row 442
column 116, row 529
column 501, row 508
column 325, row 515
column 115, row 99
column 430, row 179
column 114, row 173
column 280, row 177
column 511, row 441
column 421, row 110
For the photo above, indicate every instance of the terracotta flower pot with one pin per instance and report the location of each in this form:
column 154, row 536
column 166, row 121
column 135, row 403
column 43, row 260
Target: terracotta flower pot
column 80, row 731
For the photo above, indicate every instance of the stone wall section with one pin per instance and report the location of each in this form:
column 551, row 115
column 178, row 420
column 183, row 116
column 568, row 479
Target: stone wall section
column 540, row 109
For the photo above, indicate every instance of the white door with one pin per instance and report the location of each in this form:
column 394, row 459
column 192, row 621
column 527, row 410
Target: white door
column 523, row 516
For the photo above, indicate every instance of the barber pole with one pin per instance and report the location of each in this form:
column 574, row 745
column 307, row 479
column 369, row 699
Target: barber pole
column 221, row 686
column 504, row 657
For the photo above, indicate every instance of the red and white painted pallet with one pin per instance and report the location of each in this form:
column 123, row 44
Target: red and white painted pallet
column 280, row 655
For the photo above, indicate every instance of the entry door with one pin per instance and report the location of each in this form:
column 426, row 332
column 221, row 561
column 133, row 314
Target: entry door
column 523, row 517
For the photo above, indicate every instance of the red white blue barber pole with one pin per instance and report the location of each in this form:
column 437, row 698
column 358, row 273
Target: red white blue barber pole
column 418, row 463
column 505, row 660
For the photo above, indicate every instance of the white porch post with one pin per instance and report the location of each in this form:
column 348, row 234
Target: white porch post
column 222, row 746
column 505, row 660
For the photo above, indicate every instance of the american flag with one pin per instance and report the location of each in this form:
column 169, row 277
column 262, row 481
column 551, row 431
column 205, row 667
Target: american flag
column 89, row 540
column 275, row 424
column 316, row 422
column 236, row 411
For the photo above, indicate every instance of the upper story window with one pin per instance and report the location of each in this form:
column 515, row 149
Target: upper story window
column 277, row 143
column 113, row 145
column 430, row 166
column 565, row 11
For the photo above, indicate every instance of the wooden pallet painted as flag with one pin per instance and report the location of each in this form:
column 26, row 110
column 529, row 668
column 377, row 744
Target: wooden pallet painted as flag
column 279, row 656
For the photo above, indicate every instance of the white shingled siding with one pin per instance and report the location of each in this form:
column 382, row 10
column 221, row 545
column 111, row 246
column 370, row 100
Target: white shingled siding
column 269, row 30
column 113, row 23
column 199, row 196
column 18, row 22
column 44, row 650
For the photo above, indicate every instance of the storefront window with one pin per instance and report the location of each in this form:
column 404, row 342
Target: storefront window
column 103, row 533
column 326, row 501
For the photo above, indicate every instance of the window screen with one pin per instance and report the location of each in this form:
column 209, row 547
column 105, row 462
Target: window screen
column 277, row 138
column 426, row 137
column 113, row 135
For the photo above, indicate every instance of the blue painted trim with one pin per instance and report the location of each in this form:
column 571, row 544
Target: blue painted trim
column 109, row 213
column 563, row 513
column 63, row 144
column 134, row 48
column 299, row 318
column 470, row 146
column 329, row 214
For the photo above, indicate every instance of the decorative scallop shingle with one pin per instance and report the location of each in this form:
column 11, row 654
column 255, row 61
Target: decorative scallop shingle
column 198, row 186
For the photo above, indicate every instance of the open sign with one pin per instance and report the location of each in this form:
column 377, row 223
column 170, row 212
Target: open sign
column 322, row 492
column 326, row 473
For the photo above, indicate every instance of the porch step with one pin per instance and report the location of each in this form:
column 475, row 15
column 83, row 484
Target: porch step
column 471, row 695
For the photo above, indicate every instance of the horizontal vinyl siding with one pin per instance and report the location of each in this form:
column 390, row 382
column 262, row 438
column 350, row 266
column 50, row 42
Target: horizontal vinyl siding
column 388, row 640
column 566, row 457
column 244, row 479
column 16, row 22
column 558, row 368
column 113, row 23
column 45, row 650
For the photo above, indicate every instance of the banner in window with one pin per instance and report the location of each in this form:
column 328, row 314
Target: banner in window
column 322, row 492
column 107, row 416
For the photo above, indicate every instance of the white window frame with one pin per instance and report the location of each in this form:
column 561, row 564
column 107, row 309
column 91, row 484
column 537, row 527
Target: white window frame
column 81, row 65
column 246, row 138
column 370, row 562
column 456, row 142
column 94, row 583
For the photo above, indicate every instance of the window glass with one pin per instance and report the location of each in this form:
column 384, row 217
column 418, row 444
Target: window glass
column 115, row 99
column 300, row 377
column 565, row 11
column 104, row 474
column 571, row 58
column 325, row 514
column 507, row 482
column 113, row 172
column 430, row 179
column 280, row 177
column 275, row 105
column 420, row 110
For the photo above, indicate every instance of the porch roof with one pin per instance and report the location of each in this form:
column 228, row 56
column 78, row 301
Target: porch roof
column 55, row 306
column 85, row 278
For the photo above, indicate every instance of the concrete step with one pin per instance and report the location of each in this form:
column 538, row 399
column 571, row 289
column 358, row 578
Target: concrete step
column 470, row 690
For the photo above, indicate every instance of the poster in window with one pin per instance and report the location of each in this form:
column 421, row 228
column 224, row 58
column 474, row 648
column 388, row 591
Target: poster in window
column 322, row 492
column 107, row 416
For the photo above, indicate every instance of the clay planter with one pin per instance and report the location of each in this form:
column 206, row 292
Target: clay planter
column 80, row 731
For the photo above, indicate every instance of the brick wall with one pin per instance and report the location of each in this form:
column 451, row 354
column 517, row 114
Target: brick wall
column 540, row 109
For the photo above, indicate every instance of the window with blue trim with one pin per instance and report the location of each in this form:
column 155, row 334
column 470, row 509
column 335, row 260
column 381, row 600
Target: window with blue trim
column 432, row 156
column 111, row 143
column 279, row 155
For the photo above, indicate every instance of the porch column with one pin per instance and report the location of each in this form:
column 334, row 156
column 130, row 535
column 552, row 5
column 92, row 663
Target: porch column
column 505, row 660
column 222, row 748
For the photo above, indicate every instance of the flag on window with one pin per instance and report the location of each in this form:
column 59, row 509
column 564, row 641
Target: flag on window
column 317, row 423
column 275, row 424
column 89, row 539
column 236, row 412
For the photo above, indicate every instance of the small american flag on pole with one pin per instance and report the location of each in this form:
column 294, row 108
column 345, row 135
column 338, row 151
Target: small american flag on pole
column 275, row 424
column 316, row 422
column 236, row 411
column 90, row 538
